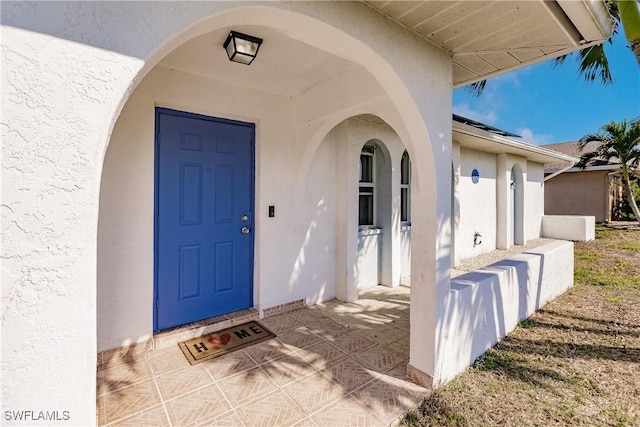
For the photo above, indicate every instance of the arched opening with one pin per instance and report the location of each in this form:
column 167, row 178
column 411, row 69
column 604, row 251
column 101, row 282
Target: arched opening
column 370, row 249
column 375, row 211
column 192, row 80
column 516, row 186
column 291, row 123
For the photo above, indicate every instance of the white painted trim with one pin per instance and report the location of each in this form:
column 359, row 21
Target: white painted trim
column 531, row 152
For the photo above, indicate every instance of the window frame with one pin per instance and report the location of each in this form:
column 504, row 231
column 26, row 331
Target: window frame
column 405, row 188
column 368, row 150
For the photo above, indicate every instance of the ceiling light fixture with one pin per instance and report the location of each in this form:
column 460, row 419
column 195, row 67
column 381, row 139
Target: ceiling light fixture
column 242, row 48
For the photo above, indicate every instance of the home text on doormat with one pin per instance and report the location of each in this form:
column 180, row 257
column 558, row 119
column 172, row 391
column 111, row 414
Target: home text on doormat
column 216, row 344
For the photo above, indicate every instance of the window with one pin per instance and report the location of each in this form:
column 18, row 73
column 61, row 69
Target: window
column 367, row 186
column 405, row 184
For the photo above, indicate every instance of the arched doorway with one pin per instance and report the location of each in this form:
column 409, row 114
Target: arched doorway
column 194, row 81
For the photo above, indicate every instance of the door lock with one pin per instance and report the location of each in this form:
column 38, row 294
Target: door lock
column 245, row 230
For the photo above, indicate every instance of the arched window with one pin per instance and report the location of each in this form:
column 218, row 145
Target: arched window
column 366, row 211
column 405, row 188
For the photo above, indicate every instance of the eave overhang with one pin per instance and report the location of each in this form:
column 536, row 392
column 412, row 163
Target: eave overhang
column 477, row 139
column 488, row 38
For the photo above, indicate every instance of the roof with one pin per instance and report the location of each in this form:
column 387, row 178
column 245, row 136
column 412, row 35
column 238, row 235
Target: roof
column 571, row 148
column 482, row 126
column 491, row 142
column 487, row 38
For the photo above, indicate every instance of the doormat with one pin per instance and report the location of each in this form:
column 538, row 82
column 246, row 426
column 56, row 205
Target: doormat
column 222, row 342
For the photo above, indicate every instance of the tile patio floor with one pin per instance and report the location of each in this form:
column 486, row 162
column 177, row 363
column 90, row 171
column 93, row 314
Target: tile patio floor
column 333, row 364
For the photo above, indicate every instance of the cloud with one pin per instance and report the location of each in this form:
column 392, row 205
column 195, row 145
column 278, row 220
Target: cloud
column 535, row 139
column 488, row 117
column 511, row 79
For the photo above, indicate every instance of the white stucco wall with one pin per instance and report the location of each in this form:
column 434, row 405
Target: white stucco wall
column 534, row 201
column 488, row 303
column 69, row 68
column 368, row 262
column 302, row 232
column 405, row 255
column 569, row 227
column 379, row 250
column 488, row 206
column 477, row 204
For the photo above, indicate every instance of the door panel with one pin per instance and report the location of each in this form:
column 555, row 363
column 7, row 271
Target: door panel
column 204, row 188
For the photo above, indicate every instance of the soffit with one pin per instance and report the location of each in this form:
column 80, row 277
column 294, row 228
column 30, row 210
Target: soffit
column 486, row 38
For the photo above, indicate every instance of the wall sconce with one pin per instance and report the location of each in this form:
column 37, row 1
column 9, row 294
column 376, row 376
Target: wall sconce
column 512, row 185
column 477, row 239
column 242, row 48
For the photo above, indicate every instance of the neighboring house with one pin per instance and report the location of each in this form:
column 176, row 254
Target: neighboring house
column 118, row 117
column 595, row 190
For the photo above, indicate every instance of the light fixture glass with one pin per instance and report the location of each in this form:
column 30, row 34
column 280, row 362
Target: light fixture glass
column 242, row 48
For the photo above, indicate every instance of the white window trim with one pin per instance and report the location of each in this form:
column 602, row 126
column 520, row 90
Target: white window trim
column 406, row 222
column 371, row 185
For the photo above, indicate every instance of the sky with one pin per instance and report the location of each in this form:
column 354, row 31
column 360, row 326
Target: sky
column 546, row 104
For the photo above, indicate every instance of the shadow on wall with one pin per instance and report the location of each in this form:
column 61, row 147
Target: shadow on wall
column 366, row 268
column 455, row 211
column 486, row 304
column 309, row 278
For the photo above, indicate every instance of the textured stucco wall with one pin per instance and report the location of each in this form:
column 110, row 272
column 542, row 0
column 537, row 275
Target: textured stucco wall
column 477, row 204
column 488, row 303
column 68, row 69
column 577, row 193
column 534, row 201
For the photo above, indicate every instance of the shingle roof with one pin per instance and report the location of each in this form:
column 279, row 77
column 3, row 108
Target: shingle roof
column 572, row 149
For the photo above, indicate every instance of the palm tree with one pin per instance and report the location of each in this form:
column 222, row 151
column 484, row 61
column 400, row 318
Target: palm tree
column 621, row 140
column 630, row 18
column 593, row 60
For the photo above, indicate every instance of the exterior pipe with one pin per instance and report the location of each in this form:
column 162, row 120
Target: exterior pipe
column 556, row 173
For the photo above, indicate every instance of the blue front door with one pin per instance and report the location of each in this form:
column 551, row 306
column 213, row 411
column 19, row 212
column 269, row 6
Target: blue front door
column 204, row 217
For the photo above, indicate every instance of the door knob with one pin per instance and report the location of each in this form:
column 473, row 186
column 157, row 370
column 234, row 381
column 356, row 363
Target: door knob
column 245, row 230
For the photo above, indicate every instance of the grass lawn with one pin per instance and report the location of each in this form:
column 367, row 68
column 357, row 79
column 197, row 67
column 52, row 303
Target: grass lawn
column 576, row 362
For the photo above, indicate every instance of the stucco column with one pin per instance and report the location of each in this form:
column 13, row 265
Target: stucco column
column 346, row 214
column 396, row 235
column 503, row 220
column 430, row 255
column 390, row 269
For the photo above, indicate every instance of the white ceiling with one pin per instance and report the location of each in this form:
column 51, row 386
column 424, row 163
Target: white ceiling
column 284, row 66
